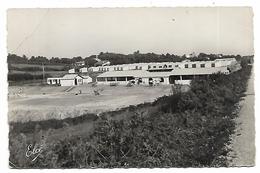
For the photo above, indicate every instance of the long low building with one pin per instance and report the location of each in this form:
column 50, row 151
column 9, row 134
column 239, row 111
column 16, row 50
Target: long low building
column 178, row 76
column 181, row 74
column 165, row 66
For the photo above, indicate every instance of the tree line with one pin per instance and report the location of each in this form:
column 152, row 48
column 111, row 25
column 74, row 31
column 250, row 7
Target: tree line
column 114, row 58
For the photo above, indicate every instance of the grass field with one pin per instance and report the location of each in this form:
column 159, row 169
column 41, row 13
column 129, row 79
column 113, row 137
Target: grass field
column 35, row 69
column 33, row 103
column 52, row 73
column 58, row 67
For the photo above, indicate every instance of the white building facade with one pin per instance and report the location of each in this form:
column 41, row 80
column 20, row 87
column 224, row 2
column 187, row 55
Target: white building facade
column 164, row 72
column 70, row 80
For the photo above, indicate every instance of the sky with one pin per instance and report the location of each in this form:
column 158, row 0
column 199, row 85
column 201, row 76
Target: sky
column 84, row 32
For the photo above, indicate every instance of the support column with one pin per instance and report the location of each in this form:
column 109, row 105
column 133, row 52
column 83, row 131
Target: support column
column 166, row 80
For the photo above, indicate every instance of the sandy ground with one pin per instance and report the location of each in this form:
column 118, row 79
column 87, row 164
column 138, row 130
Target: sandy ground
column 46, row 102
column 243, row 141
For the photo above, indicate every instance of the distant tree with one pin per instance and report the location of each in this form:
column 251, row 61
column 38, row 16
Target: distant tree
column 90, row 61
column 55, row 60
column 13, row 58
column 76, row 59
column 137, row 52
column 66, row 61
column 38, row 60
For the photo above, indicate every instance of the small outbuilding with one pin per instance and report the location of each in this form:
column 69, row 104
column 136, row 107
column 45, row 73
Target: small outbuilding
column 83, row 70
column 70, row 80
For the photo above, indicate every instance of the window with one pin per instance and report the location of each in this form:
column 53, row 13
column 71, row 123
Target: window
column 160, row 66
column 121, row 68
column 165, row 66
column 154, row 66
column 115, row 68
column 121, row 78
column 193, row 65
column 186, row 65
column 111, row 79
column 175, row 78
column 140, row 68
column 212, row 64
column 170, row 66
column 129, row 78
column 100, row 79
column 79, row 80
column 187, row 77
column 202, row 65
column 107, row 69
column 136, row 67
column 177, row 65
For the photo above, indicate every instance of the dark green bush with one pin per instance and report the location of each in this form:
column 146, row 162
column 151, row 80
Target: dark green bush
column 24, row 76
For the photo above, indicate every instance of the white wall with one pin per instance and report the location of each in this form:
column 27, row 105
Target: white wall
column 183, row 82
column 166, row 80
column 71, row 70
column 109, row 82
column 79, row 80
column 87, row 80
column 94, row 69
column 53, row 81
column 67, row 82
column 83, row 70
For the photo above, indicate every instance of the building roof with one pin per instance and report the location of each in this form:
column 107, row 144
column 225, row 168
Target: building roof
column 198, row 71
column 70, row 76
column 154, row 74
column 100, row 63
column 84, row 68
column 85, row 76
column 129, row 73
column 162, row 63
column 143, row 73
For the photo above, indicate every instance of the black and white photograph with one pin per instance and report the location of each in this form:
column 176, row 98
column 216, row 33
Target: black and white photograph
column 146, row 87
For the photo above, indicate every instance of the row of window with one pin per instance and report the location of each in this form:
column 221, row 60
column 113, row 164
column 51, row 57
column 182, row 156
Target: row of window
column 201, row 65
column 107, row 69
column 118, row 68
column 162, row 66
column 102, row 79
column 149, row 67
column 186, row 66
column 103, row 69
column 172, row 78
column 138, row 68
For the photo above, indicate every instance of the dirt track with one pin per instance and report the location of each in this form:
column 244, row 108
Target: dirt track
column 243, row 141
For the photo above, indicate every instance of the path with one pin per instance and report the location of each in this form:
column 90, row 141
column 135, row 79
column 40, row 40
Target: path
column 243, row 141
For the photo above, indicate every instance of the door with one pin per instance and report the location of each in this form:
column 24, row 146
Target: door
column 76, row 81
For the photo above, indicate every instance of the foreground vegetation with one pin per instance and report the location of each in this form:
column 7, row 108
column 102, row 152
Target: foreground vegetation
column 188, row 129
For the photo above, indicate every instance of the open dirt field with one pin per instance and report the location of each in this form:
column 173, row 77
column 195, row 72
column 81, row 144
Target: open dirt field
column 47, row 102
